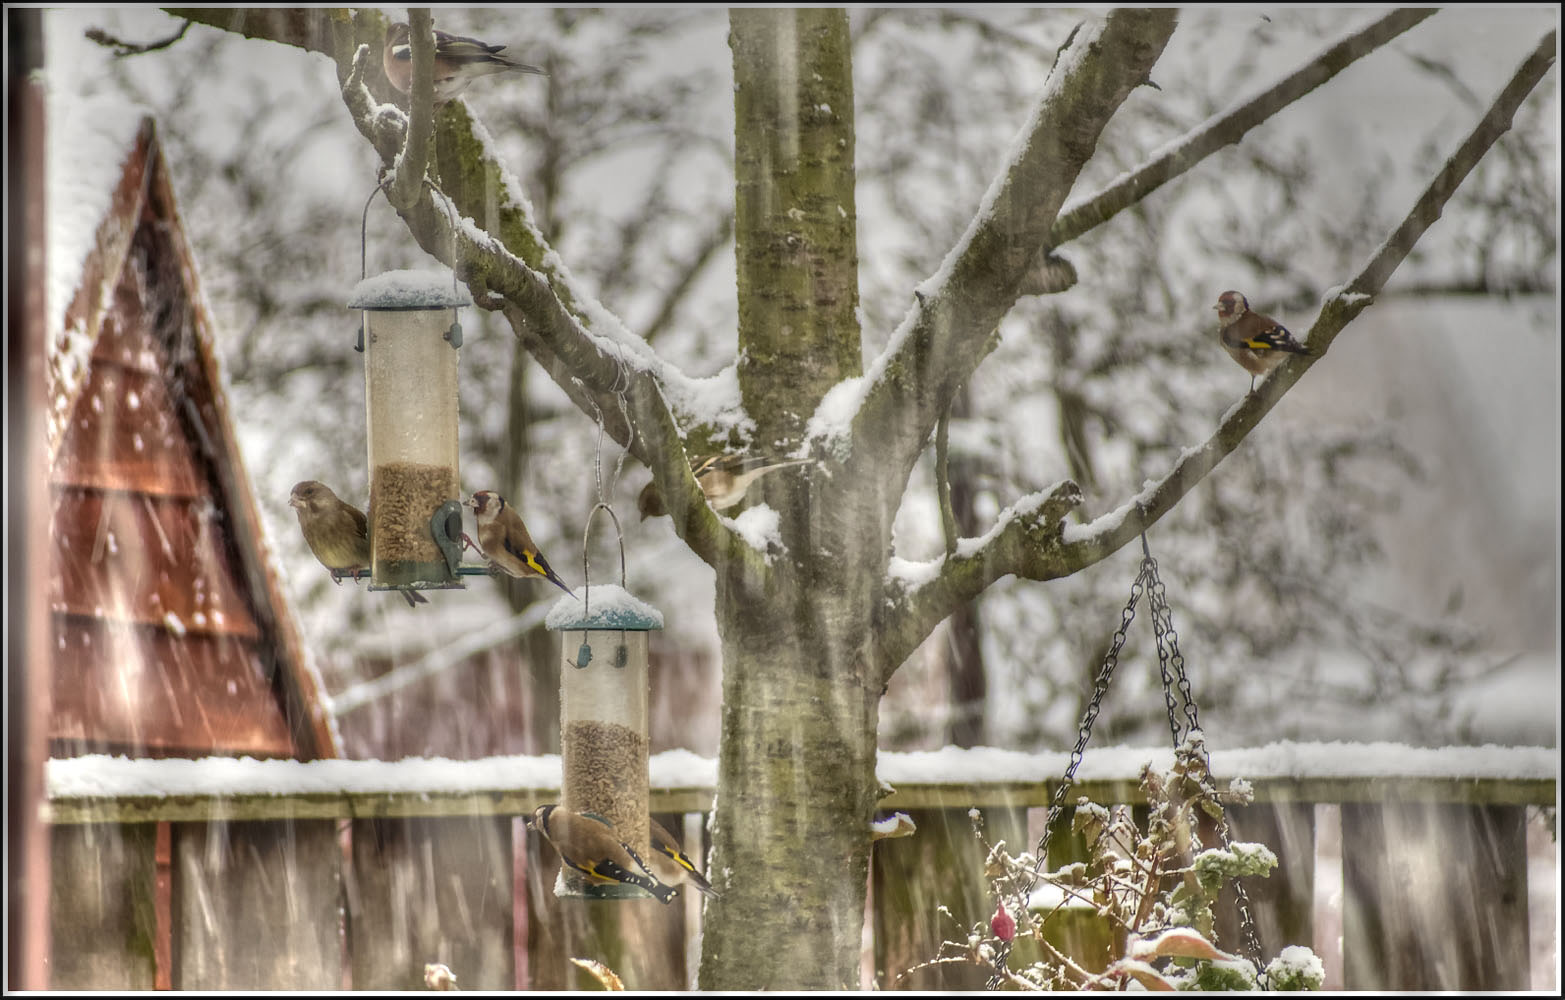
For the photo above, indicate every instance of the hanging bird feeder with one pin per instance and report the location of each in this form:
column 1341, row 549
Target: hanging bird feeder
column 603, row 719
column 410, row 338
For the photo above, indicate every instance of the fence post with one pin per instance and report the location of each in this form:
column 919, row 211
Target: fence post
column 426, row 890
column 1283, row 903
column 255, row 905
column 101, row 910
column 940, row 864
column 1434, row 897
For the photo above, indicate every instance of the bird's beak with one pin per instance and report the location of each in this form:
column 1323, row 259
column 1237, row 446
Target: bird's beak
column 295, row 502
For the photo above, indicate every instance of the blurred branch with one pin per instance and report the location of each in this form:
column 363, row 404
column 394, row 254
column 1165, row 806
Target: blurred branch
column 1228, row 128
column 123, row 48
column 716, row 239
column 1105, row 535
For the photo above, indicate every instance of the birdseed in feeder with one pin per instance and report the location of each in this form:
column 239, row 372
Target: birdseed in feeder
column 403, row 497
column 606, row 774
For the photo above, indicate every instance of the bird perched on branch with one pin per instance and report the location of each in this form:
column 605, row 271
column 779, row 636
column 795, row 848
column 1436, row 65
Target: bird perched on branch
column 670, row 863
column 589, row 845
column 505, row 542
column 1258, row 343
column 723, row 478
column 336, row 532
column 458, row 62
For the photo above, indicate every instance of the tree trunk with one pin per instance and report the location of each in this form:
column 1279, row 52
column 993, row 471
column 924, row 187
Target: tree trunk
column 796, row 776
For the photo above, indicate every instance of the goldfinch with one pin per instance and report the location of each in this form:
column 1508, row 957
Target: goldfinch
column 504, row 540
column 1258, row 343
column 458, row 62
column 336, row 532
column 588, row 845
column 670, row 863
column 723, row 478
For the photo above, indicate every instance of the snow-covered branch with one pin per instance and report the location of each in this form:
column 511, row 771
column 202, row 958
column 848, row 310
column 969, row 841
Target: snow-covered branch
column 509, row 266
column 1024, row 541
column 1088, row 544
column 1228, row 128
column 951, row 327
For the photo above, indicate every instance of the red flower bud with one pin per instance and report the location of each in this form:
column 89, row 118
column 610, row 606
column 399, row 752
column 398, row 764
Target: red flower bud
column 1003, row 926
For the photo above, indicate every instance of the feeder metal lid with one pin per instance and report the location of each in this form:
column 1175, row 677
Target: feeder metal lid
column 399, row 291
column 610, row 608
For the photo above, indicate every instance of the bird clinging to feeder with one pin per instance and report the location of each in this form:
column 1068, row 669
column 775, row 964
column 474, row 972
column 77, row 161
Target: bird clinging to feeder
column 671, row 864
column 505, row 541
column 589, row 845
column 336, row 532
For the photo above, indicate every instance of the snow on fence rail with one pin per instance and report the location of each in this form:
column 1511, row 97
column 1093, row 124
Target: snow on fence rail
column 101, row 788
column 246, row 874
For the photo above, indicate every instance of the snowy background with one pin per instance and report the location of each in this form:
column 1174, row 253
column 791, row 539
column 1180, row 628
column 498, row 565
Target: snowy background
column 1380, row 559
column 1378, row 562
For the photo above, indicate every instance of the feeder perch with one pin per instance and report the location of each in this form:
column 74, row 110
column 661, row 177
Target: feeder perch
column 603, row 719
column 411, row 336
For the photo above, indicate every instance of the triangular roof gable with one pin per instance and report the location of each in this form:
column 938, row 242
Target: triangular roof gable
column 162, row 577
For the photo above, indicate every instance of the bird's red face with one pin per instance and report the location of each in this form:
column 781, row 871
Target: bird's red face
column 486, row 503
column 1231, row 305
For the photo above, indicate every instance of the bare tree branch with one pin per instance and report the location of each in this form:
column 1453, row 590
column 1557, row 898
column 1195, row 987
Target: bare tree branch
column 123, row 48
column 414, row 161
column 1032, row 525
column 1030, row 539
column 716, row 239
column 952, row 326
column 1228, row 128
column 1096, row 541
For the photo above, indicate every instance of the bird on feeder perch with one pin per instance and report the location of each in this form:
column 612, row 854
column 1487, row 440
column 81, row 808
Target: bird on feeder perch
column 589, row 845
column 505, row 542
column 336, row 532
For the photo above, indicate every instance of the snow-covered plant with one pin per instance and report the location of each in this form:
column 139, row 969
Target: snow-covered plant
column 1149, row 887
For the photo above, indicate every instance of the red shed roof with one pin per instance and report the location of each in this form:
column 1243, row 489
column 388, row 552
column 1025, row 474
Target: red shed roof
column 171, row 634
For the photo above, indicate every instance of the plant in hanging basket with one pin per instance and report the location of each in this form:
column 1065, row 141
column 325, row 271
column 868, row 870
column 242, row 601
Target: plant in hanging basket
column 1137, row 908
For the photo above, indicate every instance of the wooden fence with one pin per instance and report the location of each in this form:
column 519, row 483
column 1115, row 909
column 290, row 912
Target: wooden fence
column 309, row 877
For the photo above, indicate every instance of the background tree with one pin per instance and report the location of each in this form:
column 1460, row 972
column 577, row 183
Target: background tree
column 816, row 617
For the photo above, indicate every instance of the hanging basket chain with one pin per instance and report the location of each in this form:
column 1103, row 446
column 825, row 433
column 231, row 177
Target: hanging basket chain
column 1169, row 656
column 1171, row 665
column 1100, row 687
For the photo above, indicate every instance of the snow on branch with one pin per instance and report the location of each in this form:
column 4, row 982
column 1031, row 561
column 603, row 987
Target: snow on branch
column 1024, row 541
column 1085, row 545
column 1227, row 128
column 951, row 328
column 583, row 346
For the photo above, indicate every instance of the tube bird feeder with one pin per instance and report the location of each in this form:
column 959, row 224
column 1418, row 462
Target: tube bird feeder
column 603, row 719
column 411, row 341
